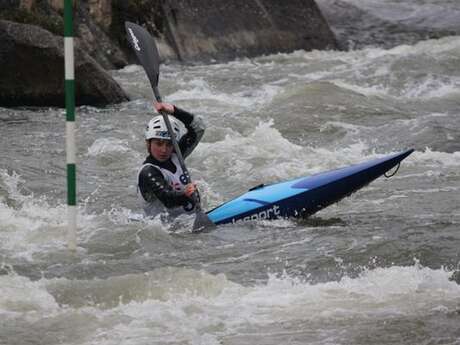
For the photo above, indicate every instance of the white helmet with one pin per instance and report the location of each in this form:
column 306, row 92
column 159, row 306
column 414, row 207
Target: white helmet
column 156, row 128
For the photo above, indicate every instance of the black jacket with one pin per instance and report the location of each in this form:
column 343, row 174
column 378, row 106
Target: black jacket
column 152, row 184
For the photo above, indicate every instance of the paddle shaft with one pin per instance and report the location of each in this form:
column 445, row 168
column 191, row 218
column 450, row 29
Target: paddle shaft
column 173, row 137
column 195, row 198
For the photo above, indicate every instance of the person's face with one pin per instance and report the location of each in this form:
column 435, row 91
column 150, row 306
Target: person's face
column 160, row 149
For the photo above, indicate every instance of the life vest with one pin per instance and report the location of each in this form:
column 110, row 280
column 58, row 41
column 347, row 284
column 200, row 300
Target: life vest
column 176, row 181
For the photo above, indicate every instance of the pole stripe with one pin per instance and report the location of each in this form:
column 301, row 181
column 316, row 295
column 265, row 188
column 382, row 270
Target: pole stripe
column 72, row 235
column 68, row 18
column 71, row 185
column 69, row 58
column 70, row 143
column 70, row 99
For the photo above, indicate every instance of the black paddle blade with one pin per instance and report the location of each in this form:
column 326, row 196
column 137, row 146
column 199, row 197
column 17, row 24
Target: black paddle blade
column 146, row 51
column 202, row 222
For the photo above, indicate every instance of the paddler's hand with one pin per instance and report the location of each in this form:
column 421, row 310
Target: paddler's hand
column 166, row 107
column 190, row 189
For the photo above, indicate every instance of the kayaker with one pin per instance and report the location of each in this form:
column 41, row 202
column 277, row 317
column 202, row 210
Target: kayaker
column 160, row 179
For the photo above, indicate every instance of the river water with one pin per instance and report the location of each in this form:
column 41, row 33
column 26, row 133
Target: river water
column 380, row 267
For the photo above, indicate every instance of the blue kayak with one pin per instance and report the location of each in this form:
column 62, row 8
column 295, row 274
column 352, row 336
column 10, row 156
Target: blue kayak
column 305, row 195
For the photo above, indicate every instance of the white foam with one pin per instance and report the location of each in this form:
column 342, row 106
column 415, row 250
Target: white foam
column 181, row 305
column 129, row 69
column 374, row 90
column 261, row 155
column 384, row 72
column 30, row 224
column 104, row 146
column 437, row 159
column 355, row 129
column 19, row 295
column 199, row 89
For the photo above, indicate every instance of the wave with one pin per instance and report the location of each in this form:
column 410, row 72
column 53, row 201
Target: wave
column 176, row 304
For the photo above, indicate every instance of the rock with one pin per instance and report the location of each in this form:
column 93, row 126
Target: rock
column 92, row 19
column 28, row 12
column 101, row 11
column 207, row 30
column 187, row 30
column 32, row 70
column 210, row 29
column 147, row 13
column 27, row 4
column 31, row 58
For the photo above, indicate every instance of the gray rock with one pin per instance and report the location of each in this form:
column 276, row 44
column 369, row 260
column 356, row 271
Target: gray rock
column 186, row 30
column 92, row 26
column 220, row 30
column 32, row 70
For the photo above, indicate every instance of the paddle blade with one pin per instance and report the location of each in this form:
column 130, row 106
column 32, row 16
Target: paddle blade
column 202, row 222
column 146, row 51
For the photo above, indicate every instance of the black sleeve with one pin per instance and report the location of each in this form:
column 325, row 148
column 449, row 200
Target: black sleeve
column 195, row 128
column 152, row 186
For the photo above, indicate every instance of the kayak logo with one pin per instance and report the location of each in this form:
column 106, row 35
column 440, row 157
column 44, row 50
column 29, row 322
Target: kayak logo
column 265, row 214
column 135, row 40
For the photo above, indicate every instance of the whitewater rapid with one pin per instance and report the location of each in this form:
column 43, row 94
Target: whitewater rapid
column 379, row 267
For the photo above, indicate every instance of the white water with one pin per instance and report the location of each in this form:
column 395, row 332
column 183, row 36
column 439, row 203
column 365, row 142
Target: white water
column 379, row 267
column 179, row 305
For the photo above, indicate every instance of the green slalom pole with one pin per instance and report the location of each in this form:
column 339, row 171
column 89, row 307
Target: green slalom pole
column 70, row 125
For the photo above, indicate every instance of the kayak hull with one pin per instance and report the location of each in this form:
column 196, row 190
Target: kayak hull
column 303, row 196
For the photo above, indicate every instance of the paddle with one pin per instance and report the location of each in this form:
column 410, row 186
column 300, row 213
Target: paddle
column 147, row 54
